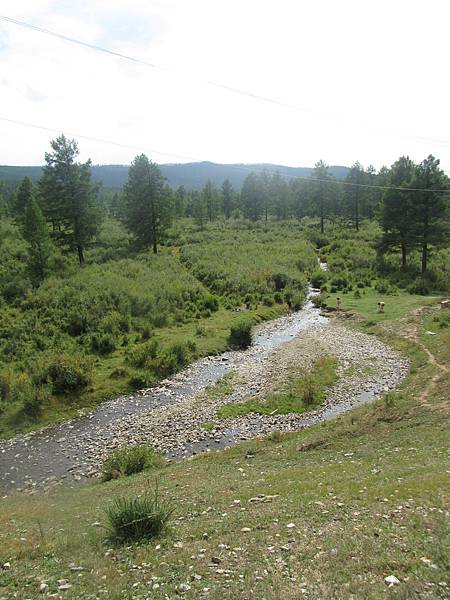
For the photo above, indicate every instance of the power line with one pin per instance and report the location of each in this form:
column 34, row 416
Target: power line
column 215, row 84
column 242, row 168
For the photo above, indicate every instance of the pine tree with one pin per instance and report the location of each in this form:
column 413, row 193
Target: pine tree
column 24, row 194
column 227, row 198
column 252, row 198
column 36, row 233
column 354, row 193
column 149, row 207
column 430, row 207
column 69, row 197
column 321, row 191
column 396, row 208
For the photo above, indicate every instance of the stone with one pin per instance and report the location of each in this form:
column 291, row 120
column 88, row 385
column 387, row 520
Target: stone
column 391, row 580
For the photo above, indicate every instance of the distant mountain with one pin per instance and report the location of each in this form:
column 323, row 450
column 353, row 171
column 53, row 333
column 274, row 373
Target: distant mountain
column 192, row 175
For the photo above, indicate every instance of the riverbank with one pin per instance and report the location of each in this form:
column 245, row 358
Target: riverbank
column 180, row 417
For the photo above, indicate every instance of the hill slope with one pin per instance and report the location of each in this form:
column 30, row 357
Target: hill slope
column 191, row 175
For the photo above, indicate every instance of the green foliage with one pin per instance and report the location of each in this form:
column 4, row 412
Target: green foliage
column 130, row 460
column 241, row 335
column 137, row 519
column 68, row 373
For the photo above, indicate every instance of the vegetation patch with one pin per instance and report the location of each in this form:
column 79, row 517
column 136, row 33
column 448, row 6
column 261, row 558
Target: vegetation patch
column 304, row 392
column 130, row 460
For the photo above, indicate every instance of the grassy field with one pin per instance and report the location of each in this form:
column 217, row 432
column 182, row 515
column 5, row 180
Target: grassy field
column 325, row 513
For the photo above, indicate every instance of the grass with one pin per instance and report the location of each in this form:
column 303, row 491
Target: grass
column 303, row 392
column 130, row 460
column 137, row 519
column 366, row 306
column 366, row 493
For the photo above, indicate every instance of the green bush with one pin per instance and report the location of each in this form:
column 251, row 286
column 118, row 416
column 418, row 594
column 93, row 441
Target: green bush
column 241, row 335
column 136, row 519
column 421, row 286
column 14, row 387
column 68, row 373
column 280, row 281
column 141, row 356
column 33, row 404
column 103, row 343
column 318, row 279
column 129, row 460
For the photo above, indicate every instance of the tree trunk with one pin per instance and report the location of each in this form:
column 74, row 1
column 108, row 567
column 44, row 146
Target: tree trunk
column 80, row 254
column 404, row 255
column 424, row 257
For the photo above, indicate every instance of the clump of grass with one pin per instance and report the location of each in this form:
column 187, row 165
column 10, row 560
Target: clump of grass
column 276, row 437
column 129, row 460
column 137, row 519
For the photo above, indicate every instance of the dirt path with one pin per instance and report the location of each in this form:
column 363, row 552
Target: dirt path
column 172, row 416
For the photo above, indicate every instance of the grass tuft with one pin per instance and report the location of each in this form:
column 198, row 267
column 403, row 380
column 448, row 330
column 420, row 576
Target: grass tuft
column 129, row 460
column 137, row 519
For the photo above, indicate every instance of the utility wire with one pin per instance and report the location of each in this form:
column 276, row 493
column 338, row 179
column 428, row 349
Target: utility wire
column 247, row 169
column 215, row 84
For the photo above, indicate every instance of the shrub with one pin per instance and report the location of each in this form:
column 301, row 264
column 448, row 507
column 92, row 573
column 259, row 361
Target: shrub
column 142, row 379
column 241, row 335
column 103, row 343
column 318, row 279
column 68, row 373
column 135, row 519
column 309, row 392
column 32, row 405
column 141, row 356
column 278, row 297
column 319, row 300
column 421, row 286
column 129, row 460
column 280, row 281
column 14, row 387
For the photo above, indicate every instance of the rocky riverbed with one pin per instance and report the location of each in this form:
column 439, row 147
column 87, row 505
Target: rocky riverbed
column 172, row 416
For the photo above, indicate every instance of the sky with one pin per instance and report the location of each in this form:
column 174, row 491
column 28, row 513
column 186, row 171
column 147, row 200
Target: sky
column 365, row 80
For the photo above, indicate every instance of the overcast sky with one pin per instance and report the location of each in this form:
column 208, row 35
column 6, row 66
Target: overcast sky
column 369, row 79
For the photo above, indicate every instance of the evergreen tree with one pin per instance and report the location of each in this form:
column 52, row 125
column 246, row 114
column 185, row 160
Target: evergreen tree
column 322, row 192
column 396, row 208
column 24, row 194
column 180, row 201
column 199, row 209
column 251, row 198
column 69, row 196
column 148, row 203
column 35, row 232
column 228, row 197
column 211, row 200
column 354, row 193
column 430, row 207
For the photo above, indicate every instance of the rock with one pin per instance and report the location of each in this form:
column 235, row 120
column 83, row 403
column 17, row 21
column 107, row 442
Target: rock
column 6, row 566
column 184, row 587
column 391, row 580
column 290, row 525
column 245, row 529
column 43, row 588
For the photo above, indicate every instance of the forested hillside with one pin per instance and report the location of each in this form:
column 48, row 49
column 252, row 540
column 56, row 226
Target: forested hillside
column 193, row 176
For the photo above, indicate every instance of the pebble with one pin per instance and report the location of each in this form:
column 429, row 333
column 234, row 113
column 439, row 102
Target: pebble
column 391, row 580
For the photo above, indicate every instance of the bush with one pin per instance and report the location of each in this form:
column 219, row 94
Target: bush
column 32, row 406
column 142, row 379
column 319, row 300
column 135, row 519
column 68, row 373
column 14, row 387
column 280, row 281
column 241, row 335
column 103, row 343
column 421, row 286
column 278, row 297
column 142, row 356
column 318, row 279
column 129, row 460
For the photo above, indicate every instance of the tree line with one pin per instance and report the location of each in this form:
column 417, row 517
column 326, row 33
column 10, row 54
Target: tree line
column 65, row 209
